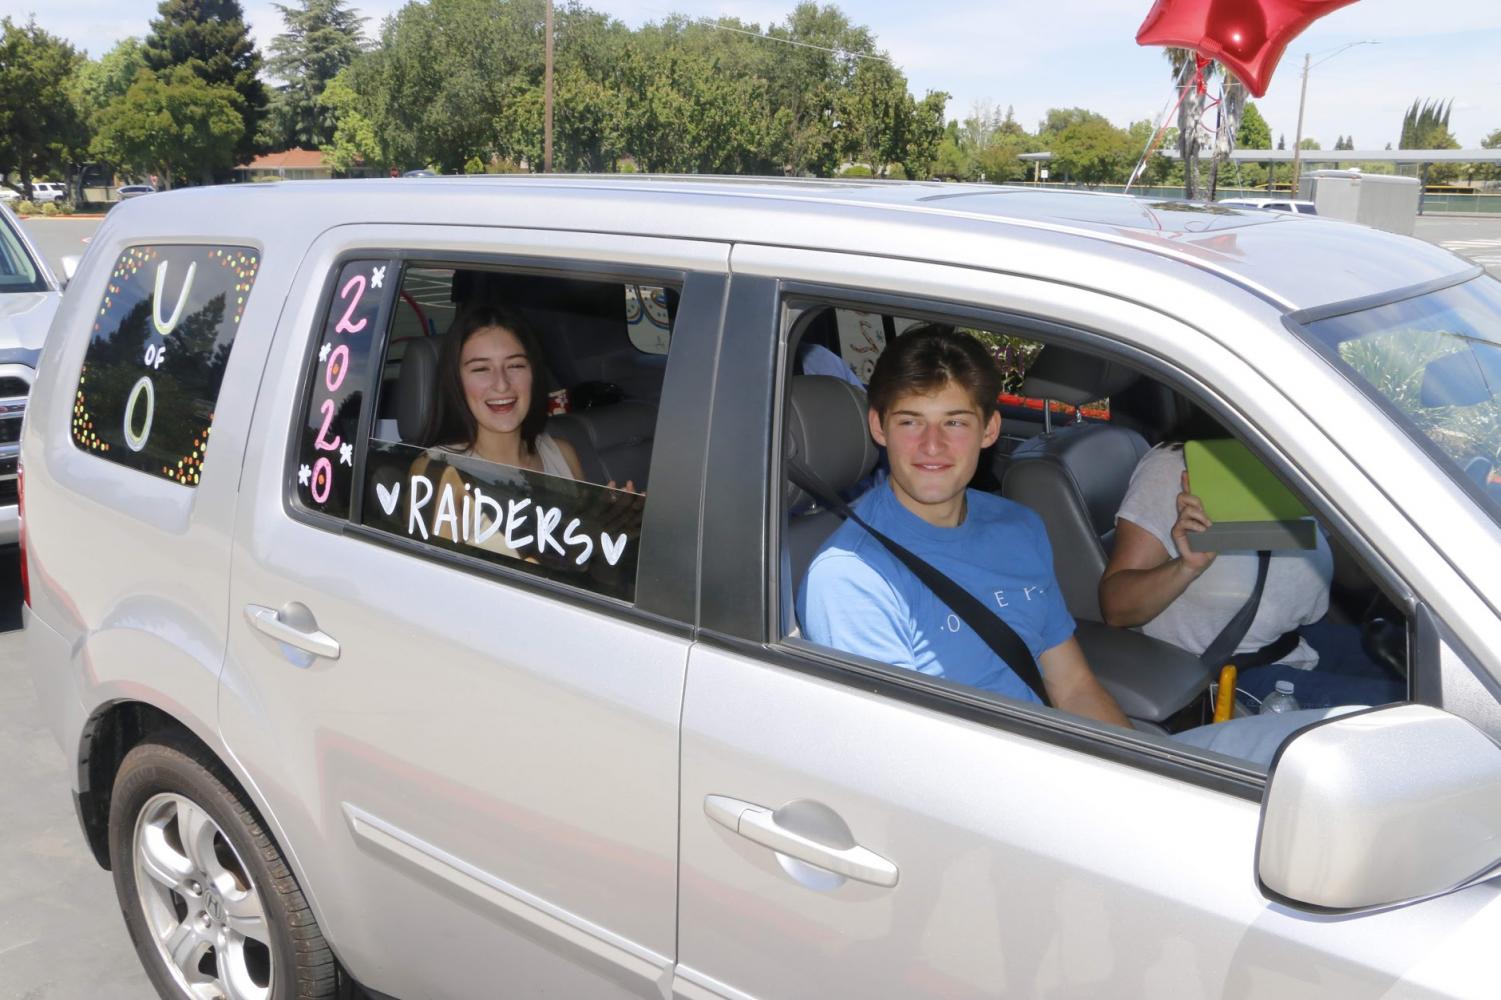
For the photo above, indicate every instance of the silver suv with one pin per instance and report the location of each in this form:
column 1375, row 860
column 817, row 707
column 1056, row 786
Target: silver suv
column 28, row 297
column 351, row 699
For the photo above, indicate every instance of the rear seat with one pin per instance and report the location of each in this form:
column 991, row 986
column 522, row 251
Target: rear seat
column 613, row 442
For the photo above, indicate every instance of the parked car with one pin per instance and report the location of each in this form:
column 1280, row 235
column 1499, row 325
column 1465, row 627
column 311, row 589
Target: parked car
column 8, row 195
column 134, row 190
column 420, row 173
column 1271, row 205
column 347, row 702
column 45, row 191
column 29, row 296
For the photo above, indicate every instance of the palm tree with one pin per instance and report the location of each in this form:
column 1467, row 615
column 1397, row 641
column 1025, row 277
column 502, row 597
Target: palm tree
column 1191, row 110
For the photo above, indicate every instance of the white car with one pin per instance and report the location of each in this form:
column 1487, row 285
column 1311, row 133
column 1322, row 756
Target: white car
column 345, row 700
column 45, row 191
column 1271, row 205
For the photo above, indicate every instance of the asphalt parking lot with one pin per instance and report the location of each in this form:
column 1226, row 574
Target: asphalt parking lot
column 61, row 935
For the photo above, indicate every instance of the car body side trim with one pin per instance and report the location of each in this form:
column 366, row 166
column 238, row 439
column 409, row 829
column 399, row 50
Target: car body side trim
column 429, row 862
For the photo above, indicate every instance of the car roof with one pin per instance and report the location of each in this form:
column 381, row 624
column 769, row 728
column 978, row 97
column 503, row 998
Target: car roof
column 1293, row 262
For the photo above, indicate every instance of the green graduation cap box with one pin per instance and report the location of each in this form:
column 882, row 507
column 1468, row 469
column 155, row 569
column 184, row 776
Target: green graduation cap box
column 1249, row 507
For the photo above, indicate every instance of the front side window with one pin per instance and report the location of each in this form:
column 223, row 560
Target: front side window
column 162, row 337
column 1436, row 359
column 1058, row 544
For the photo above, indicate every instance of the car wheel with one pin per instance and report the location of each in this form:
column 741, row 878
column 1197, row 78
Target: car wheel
column 210, row 903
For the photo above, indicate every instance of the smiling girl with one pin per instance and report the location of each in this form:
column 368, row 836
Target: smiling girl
column 492, row 395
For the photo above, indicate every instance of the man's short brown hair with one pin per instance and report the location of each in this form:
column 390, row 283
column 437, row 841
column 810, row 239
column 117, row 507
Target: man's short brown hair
column 927, row 357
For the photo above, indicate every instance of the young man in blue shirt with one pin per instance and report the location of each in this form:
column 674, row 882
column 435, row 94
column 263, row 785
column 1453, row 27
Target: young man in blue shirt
column 932, row 406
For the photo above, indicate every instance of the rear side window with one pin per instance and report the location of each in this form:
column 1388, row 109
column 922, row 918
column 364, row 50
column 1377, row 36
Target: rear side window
column 407, row 440
column 161, row 340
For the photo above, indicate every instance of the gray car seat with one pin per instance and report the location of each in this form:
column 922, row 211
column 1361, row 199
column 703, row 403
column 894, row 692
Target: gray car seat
column 826, row 431
column 1075, row 476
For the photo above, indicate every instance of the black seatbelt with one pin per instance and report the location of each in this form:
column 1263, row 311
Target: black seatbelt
column 989, row 626
column 1222, row 648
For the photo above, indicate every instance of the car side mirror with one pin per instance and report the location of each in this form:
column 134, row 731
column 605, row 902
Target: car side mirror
column 1380, row 808
column 70, row 267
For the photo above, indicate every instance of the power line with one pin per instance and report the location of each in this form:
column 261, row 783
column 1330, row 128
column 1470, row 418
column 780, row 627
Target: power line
column 709, row 23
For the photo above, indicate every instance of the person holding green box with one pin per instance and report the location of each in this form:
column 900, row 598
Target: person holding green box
column 1169, row 575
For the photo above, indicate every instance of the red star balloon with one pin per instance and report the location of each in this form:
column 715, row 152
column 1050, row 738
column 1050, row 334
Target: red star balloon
column 1248, row 37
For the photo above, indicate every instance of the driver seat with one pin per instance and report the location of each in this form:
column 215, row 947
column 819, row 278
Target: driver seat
column 1075, row 476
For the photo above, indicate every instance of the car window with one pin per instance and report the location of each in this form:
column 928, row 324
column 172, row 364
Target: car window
column 162, row 337
column 1054, row 504
column 18, row 273
column 408, row 436
column 1436, row 360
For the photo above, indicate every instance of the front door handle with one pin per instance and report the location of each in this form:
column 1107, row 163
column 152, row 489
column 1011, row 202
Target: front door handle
column 295, row 626
column 834, row 849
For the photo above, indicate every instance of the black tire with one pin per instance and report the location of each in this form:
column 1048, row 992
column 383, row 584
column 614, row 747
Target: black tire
column 164, row 780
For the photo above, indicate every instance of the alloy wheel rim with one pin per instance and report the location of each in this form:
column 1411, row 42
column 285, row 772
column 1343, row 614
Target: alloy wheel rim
column 203, row 911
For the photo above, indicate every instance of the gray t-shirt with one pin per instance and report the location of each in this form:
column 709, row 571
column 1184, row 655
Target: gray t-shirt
column 1297, row 583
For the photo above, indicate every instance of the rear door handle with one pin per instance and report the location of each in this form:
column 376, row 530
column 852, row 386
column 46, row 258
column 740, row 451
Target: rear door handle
column 761, row 825
column 294, row 625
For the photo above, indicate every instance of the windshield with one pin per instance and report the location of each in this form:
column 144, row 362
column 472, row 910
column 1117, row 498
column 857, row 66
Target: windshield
column 17, row 271
column 1436, row 359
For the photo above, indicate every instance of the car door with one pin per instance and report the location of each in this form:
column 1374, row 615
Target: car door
column 474, row 766
column 848, row 831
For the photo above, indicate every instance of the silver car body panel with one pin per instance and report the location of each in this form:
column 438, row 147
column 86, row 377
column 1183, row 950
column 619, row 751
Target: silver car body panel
column 483, row 769
column 1026, row 869
column 519, row 811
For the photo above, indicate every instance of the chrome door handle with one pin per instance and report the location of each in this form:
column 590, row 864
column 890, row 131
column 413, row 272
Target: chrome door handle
column 761, row 825
column 295, row 626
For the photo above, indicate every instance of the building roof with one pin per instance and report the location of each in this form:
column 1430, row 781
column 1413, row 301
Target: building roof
column 295, row 158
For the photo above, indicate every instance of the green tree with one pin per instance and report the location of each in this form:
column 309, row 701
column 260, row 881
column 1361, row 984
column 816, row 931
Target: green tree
column 1426, row 126
column 41, row 130
column 354, row 142
column 1254, row 132
column 804, row 80
column 322, row 37
column 999, row 159
column 98, row 82
column 1309, row 143
column 1091, row 151
column 210, row 38
column 1490, row 171
column 172, row 124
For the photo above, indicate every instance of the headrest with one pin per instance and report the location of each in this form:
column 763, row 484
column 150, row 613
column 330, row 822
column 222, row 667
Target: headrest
column 627, row 422
column 1073, row 377
column 827, row 431
column 417, row 392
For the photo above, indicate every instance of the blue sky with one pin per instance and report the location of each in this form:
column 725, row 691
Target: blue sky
column 1061, row 53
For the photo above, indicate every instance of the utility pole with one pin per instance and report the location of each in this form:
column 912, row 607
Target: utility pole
column 1303, row 98
column 1298, row 138
column 547, row 98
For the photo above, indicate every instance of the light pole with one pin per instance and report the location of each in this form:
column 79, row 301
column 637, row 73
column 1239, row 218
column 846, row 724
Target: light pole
column 1297, row 172
column 547, row 97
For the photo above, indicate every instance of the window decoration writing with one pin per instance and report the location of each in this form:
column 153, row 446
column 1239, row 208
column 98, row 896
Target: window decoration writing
column 572, row 532
column 325, row 465
column 161, row 341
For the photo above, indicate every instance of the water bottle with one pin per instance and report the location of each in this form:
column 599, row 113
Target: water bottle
column 1280, row 700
